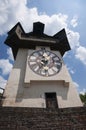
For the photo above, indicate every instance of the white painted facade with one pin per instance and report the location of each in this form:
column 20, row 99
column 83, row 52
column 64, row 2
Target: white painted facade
column 27, row 89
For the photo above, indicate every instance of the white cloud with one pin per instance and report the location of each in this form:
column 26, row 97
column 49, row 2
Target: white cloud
column 71, row 70
column 81, row 54
column 76, row 85
column 83, row 91
column 74, row 22
column 73, row 38
column 5, row 66
column 13, row 11
column 2, row 83
column 10, row 55
column 54, row 23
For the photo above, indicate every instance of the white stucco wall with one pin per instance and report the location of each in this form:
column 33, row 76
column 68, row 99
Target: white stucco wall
column 27, row 89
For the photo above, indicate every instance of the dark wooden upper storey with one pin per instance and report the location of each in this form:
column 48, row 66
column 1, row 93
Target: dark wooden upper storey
column 17, row 38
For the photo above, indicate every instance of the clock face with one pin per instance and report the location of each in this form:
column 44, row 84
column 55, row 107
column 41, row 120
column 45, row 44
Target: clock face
column 44, row 62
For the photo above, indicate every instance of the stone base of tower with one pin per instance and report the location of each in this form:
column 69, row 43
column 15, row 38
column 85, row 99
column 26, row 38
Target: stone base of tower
column 21, row 118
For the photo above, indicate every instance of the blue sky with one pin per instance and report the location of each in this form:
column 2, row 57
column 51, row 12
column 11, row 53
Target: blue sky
column 55, row 14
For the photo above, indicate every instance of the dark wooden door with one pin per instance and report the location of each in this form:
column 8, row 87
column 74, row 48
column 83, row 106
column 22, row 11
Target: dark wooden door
column 51, row 100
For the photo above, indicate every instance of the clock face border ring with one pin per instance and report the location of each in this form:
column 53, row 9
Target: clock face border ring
column 40, row 62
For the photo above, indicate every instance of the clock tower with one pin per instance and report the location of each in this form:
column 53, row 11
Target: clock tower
column 39, row 77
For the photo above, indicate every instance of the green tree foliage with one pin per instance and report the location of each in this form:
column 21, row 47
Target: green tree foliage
column 83, row 98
